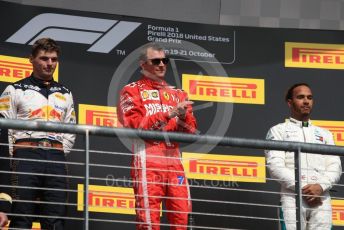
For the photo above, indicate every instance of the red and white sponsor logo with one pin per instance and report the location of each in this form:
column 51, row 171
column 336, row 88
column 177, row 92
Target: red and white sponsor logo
column 154, row 108
column 126, row 103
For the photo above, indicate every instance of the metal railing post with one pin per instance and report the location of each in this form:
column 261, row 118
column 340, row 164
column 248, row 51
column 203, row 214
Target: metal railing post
column 191, row 222
column 298, row 189
column 87, row 176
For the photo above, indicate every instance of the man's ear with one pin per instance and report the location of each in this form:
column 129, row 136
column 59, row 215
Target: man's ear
column 142, row 63
column 31, row 58
column 289, row 102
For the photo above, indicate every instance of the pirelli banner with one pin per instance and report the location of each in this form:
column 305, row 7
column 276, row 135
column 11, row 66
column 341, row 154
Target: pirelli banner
column 236, row 77
column 224, row 167
column 338, row 212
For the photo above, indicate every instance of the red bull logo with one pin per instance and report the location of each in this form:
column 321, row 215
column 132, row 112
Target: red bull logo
column 47, row 113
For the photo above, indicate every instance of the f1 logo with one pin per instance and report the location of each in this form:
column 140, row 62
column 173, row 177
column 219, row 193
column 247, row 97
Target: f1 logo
column 103, row 34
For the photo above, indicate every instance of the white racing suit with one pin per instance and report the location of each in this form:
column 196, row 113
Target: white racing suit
column 32, row 99
column 315, row 169
column 29, row 99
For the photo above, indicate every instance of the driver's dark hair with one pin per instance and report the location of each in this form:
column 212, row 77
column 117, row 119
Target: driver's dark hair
column 290, row 91
column 46, row 44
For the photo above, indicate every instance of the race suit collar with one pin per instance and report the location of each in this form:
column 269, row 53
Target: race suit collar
column 155, row 84
column 300, row 123
column 40, row 82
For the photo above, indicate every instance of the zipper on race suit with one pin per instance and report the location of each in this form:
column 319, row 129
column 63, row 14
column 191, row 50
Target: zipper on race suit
column 168, row 143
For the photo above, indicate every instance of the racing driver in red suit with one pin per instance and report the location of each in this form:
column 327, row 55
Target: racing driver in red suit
column 157, row 172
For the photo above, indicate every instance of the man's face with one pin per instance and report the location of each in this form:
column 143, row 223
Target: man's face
column 301, row 103
column 158, row 70
column 44, row 64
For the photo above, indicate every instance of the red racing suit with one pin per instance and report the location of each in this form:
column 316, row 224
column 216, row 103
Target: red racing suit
column 157, row 171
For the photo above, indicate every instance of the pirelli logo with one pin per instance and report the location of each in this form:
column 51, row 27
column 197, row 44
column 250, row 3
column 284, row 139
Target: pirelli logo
column 35, row 226
column 98, row 115
column 224, row 167
column 314, row 55
column 13, row 69
column 224, row 89
column 338, row 212
column 108, row 199
column 335, row 127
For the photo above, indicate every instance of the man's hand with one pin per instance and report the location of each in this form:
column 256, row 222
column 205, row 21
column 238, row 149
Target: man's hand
column 179, row 110
column 313, row 193
column 3, row 219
